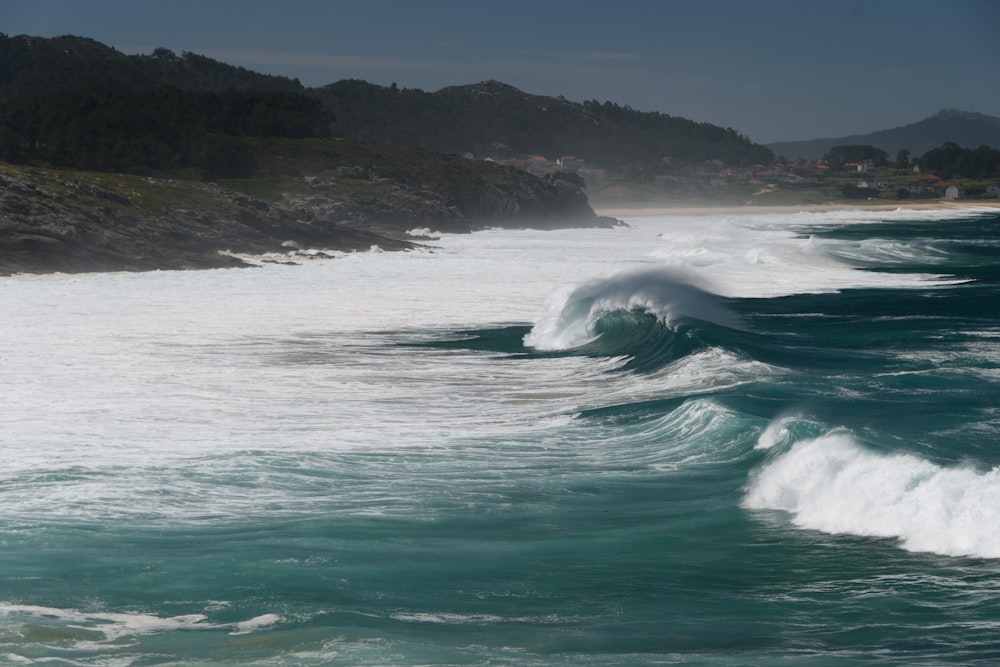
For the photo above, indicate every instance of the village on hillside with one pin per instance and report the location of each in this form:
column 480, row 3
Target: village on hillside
column 863, row 180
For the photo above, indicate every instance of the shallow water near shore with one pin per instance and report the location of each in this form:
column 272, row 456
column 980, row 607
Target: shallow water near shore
column 715, row 439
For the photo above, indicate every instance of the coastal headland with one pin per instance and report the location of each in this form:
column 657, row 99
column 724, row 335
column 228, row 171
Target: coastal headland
column 311, row 198
column 308, row 198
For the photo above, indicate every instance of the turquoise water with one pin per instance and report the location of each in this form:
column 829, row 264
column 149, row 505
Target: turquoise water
column 711, row 441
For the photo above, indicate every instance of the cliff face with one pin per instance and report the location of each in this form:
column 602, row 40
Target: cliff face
column 314, row 194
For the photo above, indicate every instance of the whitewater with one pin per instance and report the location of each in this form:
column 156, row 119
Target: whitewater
column 713, row 439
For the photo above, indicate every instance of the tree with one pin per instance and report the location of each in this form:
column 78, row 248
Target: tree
column 903, row 159
column 950, row 160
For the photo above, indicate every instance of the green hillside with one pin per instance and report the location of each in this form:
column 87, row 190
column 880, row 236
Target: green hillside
column 71, row 101
column 497, row 120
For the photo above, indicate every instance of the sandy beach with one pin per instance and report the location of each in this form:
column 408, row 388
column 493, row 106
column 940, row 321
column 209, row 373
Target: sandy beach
column 627, row 211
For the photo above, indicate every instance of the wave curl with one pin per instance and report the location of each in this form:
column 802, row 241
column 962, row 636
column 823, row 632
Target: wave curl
column 652, row 313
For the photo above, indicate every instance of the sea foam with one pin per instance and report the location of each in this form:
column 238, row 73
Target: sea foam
column 835, row 485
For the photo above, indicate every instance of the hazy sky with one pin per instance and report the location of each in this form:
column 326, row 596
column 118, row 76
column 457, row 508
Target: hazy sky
column 773, row 70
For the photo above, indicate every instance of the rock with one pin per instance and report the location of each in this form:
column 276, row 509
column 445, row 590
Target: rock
column 372, row 197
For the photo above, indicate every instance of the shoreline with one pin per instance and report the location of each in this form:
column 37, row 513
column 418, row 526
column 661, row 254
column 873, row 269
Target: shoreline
column 625, row 211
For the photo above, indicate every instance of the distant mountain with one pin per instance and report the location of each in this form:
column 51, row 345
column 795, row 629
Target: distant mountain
column 495, row 119
column 965, row 128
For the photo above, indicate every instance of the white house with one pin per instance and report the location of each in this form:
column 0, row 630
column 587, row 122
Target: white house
column 954, row 192
column 570, row 162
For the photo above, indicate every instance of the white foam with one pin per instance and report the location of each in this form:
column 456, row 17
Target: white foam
column 255, row 624
column 114, row 626
column 774, row 255
column 474, row 619
column 424, row 232
column 834, row 485
column 776, row 433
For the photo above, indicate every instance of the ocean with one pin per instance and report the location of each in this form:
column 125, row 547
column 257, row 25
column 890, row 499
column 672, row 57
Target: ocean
column 718, row 439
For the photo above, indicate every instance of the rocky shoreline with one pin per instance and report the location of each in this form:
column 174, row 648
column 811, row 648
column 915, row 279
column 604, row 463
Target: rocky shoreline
column 363, row 197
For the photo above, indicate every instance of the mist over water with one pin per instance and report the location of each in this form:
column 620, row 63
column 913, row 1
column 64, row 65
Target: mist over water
column 743, row 439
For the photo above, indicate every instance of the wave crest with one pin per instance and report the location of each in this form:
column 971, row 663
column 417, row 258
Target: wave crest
column 623, row 313
column 834, row 485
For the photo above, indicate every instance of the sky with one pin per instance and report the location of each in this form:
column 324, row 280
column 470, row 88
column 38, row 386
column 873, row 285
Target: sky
column 774, row 70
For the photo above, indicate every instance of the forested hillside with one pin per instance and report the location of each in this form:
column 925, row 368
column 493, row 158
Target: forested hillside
column 154, row 131
column 32, row 67
column 498, row 120
column 72, row 101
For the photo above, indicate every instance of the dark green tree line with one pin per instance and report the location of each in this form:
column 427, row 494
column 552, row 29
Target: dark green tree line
column 951, row 160
column 35, row 66
column 110, row 130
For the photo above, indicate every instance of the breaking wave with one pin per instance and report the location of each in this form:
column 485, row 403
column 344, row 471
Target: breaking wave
column 652, row 315
column 833, row 484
